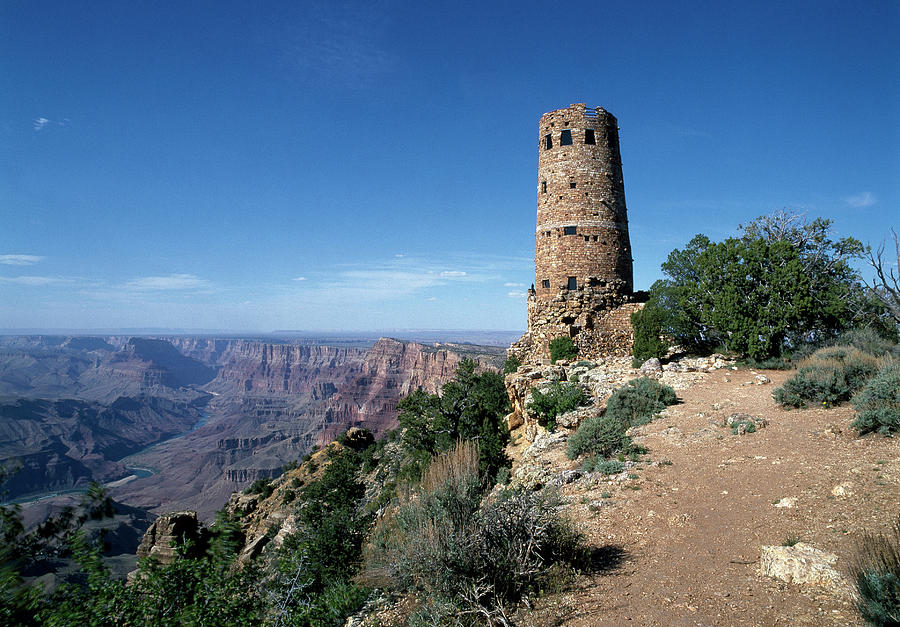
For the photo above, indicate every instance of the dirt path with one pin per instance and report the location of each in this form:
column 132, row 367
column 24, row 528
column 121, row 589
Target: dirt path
column 690, row 532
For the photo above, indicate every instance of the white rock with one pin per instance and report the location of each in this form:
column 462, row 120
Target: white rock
column 789, row 501
column 802, row 564
column 843, row 490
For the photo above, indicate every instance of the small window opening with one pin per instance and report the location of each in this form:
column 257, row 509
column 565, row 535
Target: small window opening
column 548, row 142
column 572, row 184
column 543, row 187
column 589, row 136
column 587, row 238
column 545, row 284
column 595, row 238
column 569, row 230
column 572, row 283
column 565, row 138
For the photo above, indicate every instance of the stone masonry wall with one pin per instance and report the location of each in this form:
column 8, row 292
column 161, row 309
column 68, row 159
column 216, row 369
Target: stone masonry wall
column 583, row 268
column 599, row 324
column 582, row 225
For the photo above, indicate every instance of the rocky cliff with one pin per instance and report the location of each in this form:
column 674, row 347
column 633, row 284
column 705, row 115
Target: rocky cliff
column 274, row 401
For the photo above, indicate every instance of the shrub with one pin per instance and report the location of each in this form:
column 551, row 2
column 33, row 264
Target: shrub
column 647, row 325
column 878, row 404
column 604, row 466
column 637, row 401
column 468, row 558
column 313, row 569
column 263, row 487
column 598, row 435
column 558, row 399
column 866, row 340
column 632, row 404
column 829, row 376
column 771, row 363
column 562, row 348
column 512, row 364
column 875, row 575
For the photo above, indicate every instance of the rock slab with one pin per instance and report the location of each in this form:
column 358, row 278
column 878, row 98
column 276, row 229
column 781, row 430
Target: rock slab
column 802, row 564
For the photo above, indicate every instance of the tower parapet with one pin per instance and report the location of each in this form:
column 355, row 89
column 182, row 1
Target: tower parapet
column 583, row 284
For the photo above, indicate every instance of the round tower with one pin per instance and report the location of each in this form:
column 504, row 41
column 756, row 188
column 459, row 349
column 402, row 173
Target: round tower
column 582, row 225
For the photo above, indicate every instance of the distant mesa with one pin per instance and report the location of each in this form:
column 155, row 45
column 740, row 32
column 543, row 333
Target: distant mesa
column 181, row 371
column 88, row 344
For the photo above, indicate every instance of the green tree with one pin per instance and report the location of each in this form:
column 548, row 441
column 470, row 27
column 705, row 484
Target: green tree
column 782, row 283
column 97, row 502
column 648, row 333
column 470, row 407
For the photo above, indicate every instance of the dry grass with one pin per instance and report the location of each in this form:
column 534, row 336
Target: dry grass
column 875, row 573
column 453, row 467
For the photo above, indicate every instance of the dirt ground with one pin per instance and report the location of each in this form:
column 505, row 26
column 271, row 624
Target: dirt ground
column 683, row 540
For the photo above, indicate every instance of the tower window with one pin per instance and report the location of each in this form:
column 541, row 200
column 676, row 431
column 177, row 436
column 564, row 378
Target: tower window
column 587, row 238
column 589, row 136
column 573, row 184
column 569, row 230
column 545, row 284
column 548, row 142
column 565, row 138
column 572, row 283
column 543, row 187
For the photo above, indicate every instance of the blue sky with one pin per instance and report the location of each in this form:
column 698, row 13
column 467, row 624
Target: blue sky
column 350, row 166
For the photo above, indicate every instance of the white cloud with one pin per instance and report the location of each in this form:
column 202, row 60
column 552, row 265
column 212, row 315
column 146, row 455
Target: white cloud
column 513, row 285
column 863, row 199
column 452, row 273
column 170, row 282
column 300, row 278
column 431, row 299
column 20, row 260
column 40, row 123
column 32, row 280
column 399, row 255
column 516, row 294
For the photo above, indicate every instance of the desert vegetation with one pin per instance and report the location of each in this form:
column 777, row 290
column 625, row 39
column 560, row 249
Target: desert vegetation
column 633, row 404
column 783, row 284
column 471, row 554
column 562, row 348
column 557, row 399
column 875, row 576
column 466, row 556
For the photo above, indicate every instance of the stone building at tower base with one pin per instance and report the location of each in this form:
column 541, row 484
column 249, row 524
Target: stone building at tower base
column 597, row 319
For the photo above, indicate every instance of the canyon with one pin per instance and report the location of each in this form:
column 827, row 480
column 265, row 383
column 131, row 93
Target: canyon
column 184, row 421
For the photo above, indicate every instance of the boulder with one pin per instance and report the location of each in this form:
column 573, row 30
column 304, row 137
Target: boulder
column 171, row 529
column 802, row 564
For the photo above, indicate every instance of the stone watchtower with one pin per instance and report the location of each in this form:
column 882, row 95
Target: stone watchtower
column 582, row 262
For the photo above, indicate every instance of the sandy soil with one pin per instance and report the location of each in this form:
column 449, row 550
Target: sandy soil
column 683, row 539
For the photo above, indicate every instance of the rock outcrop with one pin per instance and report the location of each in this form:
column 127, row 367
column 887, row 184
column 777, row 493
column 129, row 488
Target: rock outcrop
column 168, row 530
column 802, row 564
